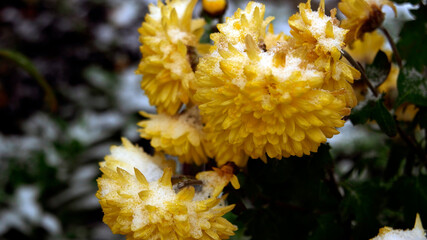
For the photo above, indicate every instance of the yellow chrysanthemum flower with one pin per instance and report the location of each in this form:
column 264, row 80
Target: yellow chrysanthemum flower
column 181, row 135
column 257, row 100
column 169, row 38
column 417, row 233
column 249, row 21
column 214, row 7
column 141, row 208
column 362, row 16
column 324, row 39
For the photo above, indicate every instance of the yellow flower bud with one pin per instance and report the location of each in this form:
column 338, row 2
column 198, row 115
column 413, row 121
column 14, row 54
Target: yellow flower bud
column 214, row 7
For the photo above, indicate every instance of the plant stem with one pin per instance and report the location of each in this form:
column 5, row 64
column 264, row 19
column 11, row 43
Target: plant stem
column 393, row 46
column 360, row 68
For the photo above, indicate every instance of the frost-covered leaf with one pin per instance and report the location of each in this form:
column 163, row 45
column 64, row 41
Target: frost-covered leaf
column 412, row 87
column 378, row 71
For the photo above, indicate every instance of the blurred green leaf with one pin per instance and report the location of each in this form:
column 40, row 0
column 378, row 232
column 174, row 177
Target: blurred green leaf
column 328, row 227
column 412, row 87
column 375, row 110
column 384, row 119
column 362, row 113
column 362, row 203
column 26, row 64
column 409, row 194
column 395, row 159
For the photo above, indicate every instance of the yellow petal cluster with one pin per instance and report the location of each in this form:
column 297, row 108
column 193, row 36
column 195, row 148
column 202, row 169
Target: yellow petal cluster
column 324, row 39
column 129, row 156
column 169, row 38
column 143, row 209
column 180, row 135
column 258, row 98
column 388, row 233
column 249, row 21
column 362, row 16
column 215, row 181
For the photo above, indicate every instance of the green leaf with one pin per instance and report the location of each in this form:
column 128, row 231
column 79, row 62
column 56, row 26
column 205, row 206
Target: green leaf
column 23, row 62
column 328, row 227
column 375, row 110
column 409, row 195
column 362, row 202
column 378, row 71
column 384, row 119
column 362, row 113
column 413, row 37
column 412, row 87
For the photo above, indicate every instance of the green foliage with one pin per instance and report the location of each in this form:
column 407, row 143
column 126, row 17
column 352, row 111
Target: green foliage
column 292, row 196
column 413, row 37
column 26, row 64
column 412, row 87
column 384, row 119
column 375, row 110
column 377, row 71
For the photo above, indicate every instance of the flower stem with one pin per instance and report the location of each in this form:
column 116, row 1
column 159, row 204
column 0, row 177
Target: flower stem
column 360, row 68
column 393, row 46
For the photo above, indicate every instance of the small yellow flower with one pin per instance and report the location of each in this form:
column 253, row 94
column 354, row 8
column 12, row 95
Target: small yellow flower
column 169, row 38
column 249, row 21
column 141, row 208
column 257, row 99
column 181, row 135
column 362, row 16
column 417, row 233
column 317, row 30
column 324, row 39
column 214, row 7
